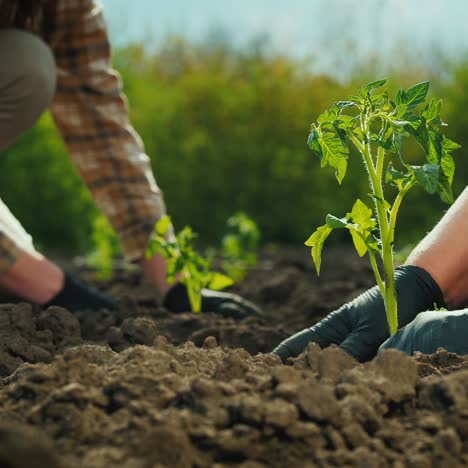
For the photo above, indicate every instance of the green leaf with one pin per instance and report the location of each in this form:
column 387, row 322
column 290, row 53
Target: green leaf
column 397, row 178
column 422, row 137
column 444, row 189
column 414, row 122
column 385, row 139
column 393, row 174
column 417, row 94
column 450, row 145
column 346, row 122
column 329, row 116
column 358, row 100
column 314, row 144
column 373, row 85
column 194, row 295
column 343, row 104
column 163, row 225
column 341, row 166
column 432, row 111
column 363, row 224
column 401, row 97
column 336, row 223
column 380, row 101
column 398, row 142
column 447, row 165
column 413, row 96
column 341, row 132
column 427, row 176
column 436, row 148
column 219, row 281
column 373, row 244
column 361, row 214
column 335, row 154
column 316, row 241
column 400, row 111
column 359, row 243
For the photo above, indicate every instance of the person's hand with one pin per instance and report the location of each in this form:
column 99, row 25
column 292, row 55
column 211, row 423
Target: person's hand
column 360, row 326
column 226, row 304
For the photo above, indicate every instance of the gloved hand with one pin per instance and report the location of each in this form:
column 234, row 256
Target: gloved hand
column 360, row 326
column 78, row 296
column 226, row 304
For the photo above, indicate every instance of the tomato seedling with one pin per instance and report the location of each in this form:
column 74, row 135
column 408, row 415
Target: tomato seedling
column 183, row 262
column 106, row 248
column 376, row 126
column 240, row 246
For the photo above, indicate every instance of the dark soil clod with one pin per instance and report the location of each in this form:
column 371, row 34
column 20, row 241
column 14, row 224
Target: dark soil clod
column 141, row 388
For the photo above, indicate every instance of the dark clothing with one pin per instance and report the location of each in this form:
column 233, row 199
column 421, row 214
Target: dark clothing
column 432, row 330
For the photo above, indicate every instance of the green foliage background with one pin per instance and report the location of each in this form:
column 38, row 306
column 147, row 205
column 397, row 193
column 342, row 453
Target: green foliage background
column 226, row 131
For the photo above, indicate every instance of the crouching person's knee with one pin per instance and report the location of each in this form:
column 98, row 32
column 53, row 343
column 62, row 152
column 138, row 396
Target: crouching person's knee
column 423, row 334
column 27, row 82
column 38, row 76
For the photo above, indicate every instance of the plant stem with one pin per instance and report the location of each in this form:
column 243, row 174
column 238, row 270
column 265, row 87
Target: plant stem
column 380, row 162
column 390, row 298
column 363, row 149
column 396, row 207
column 386, row 228
column 357, row 143
column 376, row 271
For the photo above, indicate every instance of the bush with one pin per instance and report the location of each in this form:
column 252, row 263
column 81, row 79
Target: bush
column 43, row 190
column 226, row 132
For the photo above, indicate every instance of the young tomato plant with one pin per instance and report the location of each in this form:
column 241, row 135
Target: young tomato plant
column 376, row 126
column 240, row 246
column 183, row 263
column 106, row 248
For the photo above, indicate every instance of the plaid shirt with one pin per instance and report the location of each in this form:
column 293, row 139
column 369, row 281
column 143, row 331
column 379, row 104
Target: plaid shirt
column 90, row 112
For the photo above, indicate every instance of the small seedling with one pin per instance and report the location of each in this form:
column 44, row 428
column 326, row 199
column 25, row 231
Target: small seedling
column 106, row 248
column 376, row 126
column 240, row 246
column 183, row 262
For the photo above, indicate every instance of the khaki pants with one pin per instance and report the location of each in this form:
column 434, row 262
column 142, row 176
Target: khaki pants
column 27, row 86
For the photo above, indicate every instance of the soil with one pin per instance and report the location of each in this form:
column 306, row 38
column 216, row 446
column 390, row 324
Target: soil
column 144, row 388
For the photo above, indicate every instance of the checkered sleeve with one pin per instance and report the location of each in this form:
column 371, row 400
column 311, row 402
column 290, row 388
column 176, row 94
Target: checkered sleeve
column 90, row 111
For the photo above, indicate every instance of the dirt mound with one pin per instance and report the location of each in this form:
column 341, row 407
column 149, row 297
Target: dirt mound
column 22, row 447
column 184, row 406
column 129, row 390
column 28, row 335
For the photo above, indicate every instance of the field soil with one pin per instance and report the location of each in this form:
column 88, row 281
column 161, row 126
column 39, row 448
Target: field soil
column 145, row 388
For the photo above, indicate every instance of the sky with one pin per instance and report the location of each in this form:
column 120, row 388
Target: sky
column 334, row 33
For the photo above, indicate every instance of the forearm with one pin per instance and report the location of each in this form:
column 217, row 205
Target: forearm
column 33, row 278
column 444, row 253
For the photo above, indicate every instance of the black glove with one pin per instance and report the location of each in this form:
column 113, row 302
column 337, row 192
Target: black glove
column 360, row 326
column 226, row 304
column 77, row 296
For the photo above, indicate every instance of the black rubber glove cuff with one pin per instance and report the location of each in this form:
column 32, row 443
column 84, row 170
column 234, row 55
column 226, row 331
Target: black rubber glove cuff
column 226, row 304
column 360, row 326
column 77, row 296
